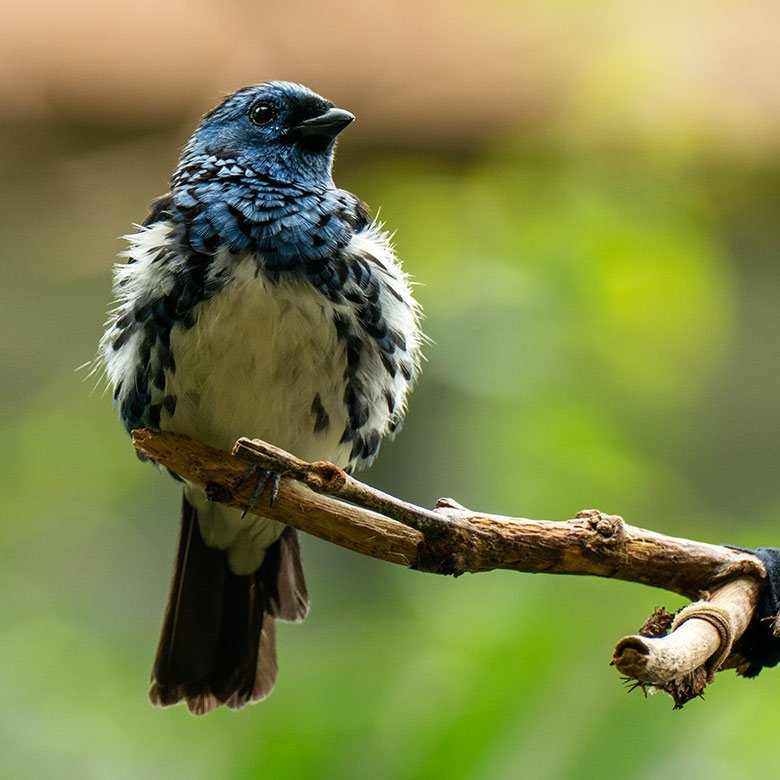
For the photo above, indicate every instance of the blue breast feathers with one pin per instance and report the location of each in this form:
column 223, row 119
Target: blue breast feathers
column 221, row 203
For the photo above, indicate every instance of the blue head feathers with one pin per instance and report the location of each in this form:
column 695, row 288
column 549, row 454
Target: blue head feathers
column 278, row 128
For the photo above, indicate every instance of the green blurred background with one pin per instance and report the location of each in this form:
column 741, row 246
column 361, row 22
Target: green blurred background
column 588, row 195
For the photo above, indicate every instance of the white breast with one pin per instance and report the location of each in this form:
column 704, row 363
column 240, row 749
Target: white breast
column 252, row 365
column 263, row 359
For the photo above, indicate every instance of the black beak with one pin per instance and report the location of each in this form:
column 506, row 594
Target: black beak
column 327, row 125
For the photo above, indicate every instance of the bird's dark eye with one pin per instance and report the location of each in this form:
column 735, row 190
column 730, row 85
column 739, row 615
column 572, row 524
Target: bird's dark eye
column 262, row 113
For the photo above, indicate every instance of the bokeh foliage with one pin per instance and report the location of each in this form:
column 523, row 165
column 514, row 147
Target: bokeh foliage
column 604, row 329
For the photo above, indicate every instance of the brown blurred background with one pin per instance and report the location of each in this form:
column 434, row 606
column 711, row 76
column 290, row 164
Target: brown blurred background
column 438, row 75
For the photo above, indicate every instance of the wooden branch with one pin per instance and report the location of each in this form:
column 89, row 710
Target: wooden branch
column 453, row 540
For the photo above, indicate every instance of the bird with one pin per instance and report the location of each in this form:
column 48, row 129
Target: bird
column 256, row 299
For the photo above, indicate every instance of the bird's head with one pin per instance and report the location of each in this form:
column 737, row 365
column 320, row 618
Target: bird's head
column 280, row 129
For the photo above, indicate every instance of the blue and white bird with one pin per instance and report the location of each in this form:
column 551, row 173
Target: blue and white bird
column 257, row 299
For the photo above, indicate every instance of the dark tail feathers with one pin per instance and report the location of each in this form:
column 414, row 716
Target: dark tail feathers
column 218, row 641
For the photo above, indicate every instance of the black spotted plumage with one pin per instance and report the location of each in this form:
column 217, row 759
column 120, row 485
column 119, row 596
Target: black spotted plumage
column 321, row 418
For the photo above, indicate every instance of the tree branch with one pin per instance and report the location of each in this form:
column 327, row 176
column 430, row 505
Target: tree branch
column 453, row 540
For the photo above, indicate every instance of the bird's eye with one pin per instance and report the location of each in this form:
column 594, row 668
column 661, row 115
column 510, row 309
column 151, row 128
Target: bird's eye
column 262, row 113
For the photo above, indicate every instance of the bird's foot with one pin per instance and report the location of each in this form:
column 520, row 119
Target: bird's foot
column 263, row 480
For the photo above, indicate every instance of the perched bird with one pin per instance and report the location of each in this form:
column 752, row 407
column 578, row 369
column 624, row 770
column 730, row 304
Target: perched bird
column 257, row 300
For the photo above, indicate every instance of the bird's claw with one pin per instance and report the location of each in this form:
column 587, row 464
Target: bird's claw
column 264, row 480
